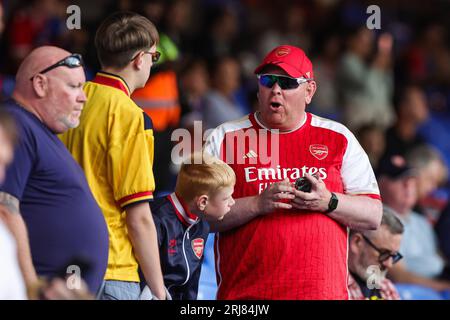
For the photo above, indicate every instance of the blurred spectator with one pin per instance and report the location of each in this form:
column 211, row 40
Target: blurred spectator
column 35, row 23
column 412, row 111
column 287, row 27
column 366, row 88
column 422, row 264
column 12, row 285
column 372, row 139
column 2, row 21
column 220, row 103
column 326, row 100
column 222, row 33
column 194, row 84
column 371, row 255
column 431, row 173
column 442, row 229
column 427, row 59
column 47, row 196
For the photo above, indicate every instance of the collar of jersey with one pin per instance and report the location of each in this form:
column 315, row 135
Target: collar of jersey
column 255, row 116
column 181, row 210
column 112, row 80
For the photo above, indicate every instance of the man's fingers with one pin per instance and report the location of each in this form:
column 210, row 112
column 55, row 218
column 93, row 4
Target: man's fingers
column 282, row 205
column 283, row 188
column 314, row 181
column 305, row 195
column 280, row 195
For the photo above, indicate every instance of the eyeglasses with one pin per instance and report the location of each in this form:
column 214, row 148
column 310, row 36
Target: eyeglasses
column 155, row 55
column 384, row 254
column 75, row 60
column 285, row 82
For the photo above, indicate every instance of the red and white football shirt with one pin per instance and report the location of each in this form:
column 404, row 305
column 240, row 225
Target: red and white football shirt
column 288, row 254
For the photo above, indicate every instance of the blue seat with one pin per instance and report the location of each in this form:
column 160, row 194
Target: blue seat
column 207, row 287
column 416, row 292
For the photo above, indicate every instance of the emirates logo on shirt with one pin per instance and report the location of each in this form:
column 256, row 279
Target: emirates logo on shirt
column 198, row 245
column 319, row 151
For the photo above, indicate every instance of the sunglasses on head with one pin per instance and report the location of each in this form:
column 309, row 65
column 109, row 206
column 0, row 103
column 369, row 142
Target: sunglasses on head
column 155, row 55
column 75, row 60
column 285, row 82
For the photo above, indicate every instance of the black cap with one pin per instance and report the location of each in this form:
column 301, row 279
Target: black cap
column 394, row 167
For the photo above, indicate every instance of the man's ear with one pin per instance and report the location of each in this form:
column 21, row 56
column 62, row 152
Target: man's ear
column 309, row 91
column 356, row 242
column 202, row 201
column 138, row 62
column 40, row 85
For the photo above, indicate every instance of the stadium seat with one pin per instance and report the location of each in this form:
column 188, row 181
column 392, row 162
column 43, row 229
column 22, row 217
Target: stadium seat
column 416, row 292
column 208, row 287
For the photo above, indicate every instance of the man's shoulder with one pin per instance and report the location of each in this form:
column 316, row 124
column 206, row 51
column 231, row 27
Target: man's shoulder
column 231, row 126
column 324, row 123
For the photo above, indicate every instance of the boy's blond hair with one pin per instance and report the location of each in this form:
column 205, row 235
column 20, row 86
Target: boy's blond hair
column 201, row 174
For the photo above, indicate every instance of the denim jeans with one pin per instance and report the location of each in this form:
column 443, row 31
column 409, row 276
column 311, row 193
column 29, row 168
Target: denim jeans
column 119, row 290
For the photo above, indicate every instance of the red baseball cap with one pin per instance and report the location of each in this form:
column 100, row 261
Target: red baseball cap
column 291, row 59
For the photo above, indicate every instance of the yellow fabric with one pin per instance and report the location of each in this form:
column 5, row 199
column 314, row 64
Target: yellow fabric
column 114, row 145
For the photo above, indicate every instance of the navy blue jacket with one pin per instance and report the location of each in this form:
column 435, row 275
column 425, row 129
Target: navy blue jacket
column 181, row 238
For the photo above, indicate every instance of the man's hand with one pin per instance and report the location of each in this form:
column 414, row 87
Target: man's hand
column 270, row 199
column 316, row 200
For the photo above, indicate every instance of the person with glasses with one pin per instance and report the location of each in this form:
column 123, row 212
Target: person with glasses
column 371, row 255
column 114, row 145
column 286, row 243
column 422, row 264
column 52, row 212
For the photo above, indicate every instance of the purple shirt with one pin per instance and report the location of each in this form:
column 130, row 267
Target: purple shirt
column 63, row 219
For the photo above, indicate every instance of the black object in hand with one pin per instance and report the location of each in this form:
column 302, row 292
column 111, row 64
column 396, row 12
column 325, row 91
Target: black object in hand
column 303, row 184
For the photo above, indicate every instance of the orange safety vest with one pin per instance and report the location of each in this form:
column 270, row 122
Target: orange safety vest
column 160, row 100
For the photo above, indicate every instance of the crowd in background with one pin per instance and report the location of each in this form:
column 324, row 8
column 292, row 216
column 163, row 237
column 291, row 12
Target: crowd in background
column 391, row 86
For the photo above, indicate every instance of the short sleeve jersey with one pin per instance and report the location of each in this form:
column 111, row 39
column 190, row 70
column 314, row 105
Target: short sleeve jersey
column 63, row 220
column 288, row 254
column 114, row 145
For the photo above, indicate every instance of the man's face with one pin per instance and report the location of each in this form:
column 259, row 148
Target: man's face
column 219, row 204
column 6, row 153
column 147, row 64
column 65, row 98
column 283, row 109
column 399, row 194
column 429, row 178
column 366, row 256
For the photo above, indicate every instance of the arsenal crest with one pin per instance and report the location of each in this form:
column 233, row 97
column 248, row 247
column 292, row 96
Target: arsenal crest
column 198, row 245
column 319, row 151
column 282, row 52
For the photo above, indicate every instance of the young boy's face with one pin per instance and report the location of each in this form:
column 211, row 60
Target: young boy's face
column 219, row 204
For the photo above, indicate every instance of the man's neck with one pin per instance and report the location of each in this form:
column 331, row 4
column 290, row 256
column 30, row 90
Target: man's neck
column 21, row 101
column 125, row 75
column 281, row 128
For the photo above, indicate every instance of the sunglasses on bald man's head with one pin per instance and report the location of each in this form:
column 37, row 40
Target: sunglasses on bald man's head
column 75, row 60
column 285, row 82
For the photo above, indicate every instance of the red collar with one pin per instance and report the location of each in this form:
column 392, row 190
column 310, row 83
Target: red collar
column 181, row 210
column 111, row 80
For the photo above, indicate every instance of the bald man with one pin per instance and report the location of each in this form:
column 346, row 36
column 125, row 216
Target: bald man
column 58, row 225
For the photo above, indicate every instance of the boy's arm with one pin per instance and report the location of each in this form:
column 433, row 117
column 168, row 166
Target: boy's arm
column 143, row 236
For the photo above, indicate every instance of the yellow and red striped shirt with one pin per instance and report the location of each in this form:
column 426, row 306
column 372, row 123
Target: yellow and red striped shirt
column 114, row 145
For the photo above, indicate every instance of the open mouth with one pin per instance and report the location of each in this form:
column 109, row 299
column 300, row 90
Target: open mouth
column 275, row 105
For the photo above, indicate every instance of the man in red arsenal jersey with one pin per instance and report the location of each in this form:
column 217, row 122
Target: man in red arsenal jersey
column 278, row 242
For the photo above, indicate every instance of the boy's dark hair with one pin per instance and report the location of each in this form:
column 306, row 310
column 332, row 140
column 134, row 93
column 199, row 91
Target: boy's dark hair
column 121, row 35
